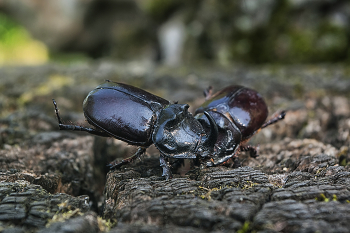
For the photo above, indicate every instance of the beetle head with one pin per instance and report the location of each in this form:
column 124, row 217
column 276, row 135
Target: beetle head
column 178, row 134
column 228, row 140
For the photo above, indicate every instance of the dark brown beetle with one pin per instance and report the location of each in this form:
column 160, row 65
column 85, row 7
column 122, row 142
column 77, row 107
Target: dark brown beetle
column 239, row 113
column 141, row 119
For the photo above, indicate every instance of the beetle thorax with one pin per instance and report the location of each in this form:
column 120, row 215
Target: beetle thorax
column 177, row 133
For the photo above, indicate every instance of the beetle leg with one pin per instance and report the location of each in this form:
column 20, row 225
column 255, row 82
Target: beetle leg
column 252, row 150
column 274, row 119
column 138, row 153
column 166, row 167
column 76, row 127
column 178, row 163
column 208, row 92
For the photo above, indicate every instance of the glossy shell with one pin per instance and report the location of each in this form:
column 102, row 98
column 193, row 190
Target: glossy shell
column 123, row 111
column 243, row 107
column 177, row 133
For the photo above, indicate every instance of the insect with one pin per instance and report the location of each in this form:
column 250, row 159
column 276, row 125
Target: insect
column 239, row 113
column 140, row 118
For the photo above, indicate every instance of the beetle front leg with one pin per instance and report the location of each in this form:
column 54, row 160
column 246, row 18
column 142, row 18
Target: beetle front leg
column 166, row 167
column 252, row 150
column 138, row 153
column 208, row 92
column 275, row 119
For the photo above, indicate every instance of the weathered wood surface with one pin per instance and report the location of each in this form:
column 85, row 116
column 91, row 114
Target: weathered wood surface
column 54, row 181
column 312, row 197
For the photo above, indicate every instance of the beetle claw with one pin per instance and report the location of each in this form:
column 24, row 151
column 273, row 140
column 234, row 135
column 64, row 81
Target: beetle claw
column 166, row 167
column 110, row 166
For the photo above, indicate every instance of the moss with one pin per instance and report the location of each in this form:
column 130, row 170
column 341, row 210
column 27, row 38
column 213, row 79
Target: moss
column 106, row 225
column 334, row 197
column 323, row 198
column 208, row 193
column 245, row 228
column 61, row 217
column 247, row 185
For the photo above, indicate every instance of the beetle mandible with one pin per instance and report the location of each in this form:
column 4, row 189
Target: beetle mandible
column 226, row 120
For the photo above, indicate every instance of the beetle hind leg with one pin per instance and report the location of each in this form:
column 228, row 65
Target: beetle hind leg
column 76, row 127
column 139, row 152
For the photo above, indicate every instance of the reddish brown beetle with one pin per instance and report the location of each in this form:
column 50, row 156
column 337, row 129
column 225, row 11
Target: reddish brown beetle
column 239, row 113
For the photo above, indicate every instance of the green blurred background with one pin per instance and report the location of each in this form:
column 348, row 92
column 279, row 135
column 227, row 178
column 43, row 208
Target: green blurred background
column 175, row 32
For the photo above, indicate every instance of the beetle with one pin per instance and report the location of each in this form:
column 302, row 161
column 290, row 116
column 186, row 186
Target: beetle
column 239, row 113
column 140, row 118
column 216, row 133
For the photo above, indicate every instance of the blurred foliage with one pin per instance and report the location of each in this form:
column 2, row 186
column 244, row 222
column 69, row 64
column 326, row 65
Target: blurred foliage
column 266, row 31
column 68, row 58
column 17, row 46
column 160, row 10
